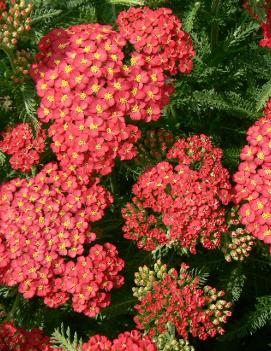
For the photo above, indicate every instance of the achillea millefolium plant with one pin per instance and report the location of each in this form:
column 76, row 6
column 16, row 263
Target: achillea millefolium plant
column 135, row 179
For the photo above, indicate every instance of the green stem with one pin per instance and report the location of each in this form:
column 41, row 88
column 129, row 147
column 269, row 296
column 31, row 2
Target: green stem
column 215, row 28
column 13, row 308
column 9, row 55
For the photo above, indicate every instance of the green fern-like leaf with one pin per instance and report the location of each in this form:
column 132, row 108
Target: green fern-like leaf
column 2, row 158
column 62, row 339
column 190, row 16
column 257, row 319
column 240, row 33
column 263, row 95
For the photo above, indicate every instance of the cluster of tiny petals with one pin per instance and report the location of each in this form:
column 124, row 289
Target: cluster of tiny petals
column 182, row 203
column 3, row 6
column 23, row 146
column 127, row 341
column 157, row 34
column 87, row 91
column 44, row 221
column 253, row 181
column 167, row 296
column 14, row 338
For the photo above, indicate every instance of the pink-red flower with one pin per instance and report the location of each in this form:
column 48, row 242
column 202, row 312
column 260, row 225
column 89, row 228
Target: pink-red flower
column 14, row 338
column 253, row 180
column 23, row 147
column 87, row 91
column 127, row 341
column 158, row 36
column 172, row 297
column 44, row 229
column 181, row 200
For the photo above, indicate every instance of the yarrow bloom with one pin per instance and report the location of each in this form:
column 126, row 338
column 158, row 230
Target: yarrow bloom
column 253, row 181
column 127, row 341
column 158, row 36
column 3, row 6
column 167, row 296
column 14, row 338
column 23, row 146
column 87, row 92
column 266, row 27
column 44, row 226
column 180, row 200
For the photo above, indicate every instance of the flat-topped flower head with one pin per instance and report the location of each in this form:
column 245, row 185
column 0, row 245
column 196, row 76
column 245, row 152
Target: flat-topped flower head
column 89, row 85
column 181, row 200
column 44, row 230
column 23, row 147
column 253, row 179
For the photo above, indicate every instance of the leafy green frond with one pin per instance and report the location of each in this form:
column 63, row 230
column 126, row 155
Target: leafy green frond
column 202, row 274
column 2, row 158
column 26, row 98
column 240, row 33
column 263, row 95
column 6, row 292
column 253, row 321
column 235, row 283
column 62, row 339
column 231, row 156
column 44, row 14
column 231, row 102
column 190, row 16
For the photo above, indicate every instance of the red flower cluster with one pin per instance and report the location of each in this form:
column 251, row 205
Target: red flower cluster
column 127, row 341
column 24, row 148
column 253, row 180
column 266, row 27
column 172, row 297
column 3, row 6
column 157, row 34
column 181, row 203
column 87, row 91
column 13, row 338
column 43, row 222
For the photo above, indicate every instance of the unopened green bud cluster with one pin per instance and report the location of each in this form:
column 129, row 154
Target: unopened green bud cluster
column 166, row 342
column 15, row 21
column 240, row 245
